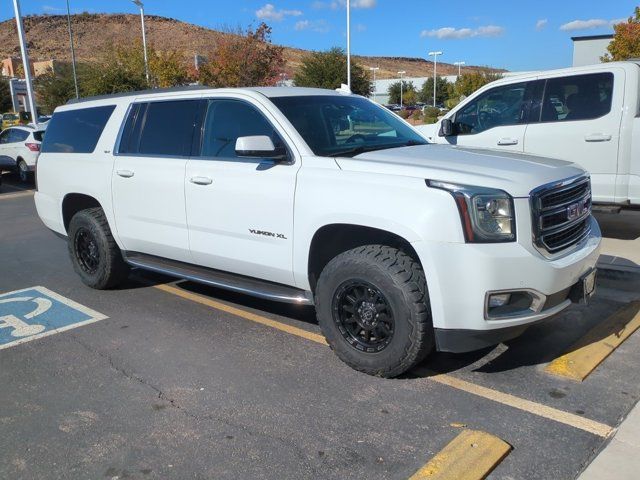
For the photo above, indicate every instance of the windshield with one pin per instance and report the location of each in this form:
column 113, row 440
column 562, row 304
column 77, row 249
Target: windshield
column 335, row 125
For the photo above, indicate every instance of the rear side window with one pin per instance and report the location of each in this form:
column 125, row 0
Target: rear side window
column 162, row 128
column 20, row 135
column 76, row 131
column 578, row 97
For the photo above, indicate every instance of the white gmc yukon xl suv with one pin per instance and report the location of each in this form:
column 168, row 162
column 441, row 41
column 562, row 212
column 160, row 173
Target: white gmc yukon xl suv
column 321, row 198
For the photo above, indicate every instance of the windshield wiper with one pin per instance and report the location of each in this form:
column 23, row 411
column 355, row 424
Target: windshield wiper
column 352, row 152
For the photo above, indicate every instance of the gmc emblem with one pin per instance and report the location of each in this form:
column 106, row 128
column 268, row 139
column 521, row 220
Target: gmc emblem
column 576, row 210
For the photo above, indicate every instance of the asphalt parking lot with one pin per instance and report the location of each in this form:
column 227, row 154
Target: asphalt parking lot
column 176, row 380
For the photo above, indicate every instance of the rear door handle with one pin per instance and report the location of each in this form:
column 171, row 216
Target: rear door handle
column 597, row 137
column 125, row 173
column 201, row 180
column 508, row 141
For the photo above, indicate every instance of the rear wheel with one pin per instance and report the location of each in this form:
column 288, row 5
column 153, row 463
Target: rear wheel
column 23, row 171
column 373, row 308
column 94, row 253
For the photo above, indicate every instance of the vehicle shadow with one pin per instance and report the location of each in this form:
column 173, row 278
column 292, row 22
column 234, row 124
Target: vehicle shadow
column 622, row 226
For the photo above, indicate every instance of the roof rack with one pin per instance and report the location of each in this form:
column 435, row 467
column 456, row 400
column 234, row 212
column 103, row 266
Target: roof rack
column 185, row 88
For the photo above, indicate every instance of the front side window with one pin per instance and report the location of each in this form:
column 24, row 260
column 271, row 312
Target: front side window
column 226, row 121
column 578, row 97
column 497, row 107
column 334, row 125
column 20, row 135
column 4, row 136
column 76, row 131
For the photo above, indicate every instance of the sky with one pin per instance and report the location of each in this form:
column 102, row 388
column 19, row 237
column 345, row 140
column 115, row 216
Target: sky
column 517, row 35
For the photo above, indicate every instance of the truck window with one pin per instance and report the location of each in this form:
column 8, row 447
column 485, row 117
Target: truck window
column 497, row 107
column 226, row 120
column 76, row 131
column 577, row 97
column 168, row 128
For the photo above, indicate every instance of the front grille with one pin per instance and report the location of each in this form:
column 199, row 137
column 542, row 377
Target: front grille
column 561, row 214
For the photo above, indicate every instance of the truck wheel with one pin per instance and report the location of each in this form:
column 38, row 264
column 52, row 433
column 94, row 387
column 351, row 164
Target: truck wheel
column 23, row 171
column 94, row 253
column 373, row 308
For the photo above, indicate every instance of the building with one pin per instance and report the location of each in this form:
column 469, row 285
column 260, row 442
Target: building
column 589, row 49
column 13, row 65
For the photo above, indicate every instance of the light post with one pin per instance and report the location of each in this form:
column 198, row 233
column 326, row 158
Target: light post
column 73, row 51
column 349, row 44
column 401, row 73
column 144, row 39
column 25, row 63
column 459, row 64
column 375, row 86
column 435, row 63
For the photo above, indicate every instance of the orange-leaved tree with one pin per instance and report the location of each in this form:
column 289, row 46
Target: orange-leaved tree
column 626, row 40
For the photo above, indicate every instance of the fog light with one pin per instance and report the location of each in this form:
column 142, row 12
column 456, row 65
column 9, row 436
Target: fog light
column 499, row 300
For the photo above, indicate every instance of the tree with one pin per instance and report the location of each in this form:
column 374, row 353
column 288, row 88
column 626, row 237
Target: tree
column 244, row 59
column 626, row 40
column 168, row 69
column 5, row 96
column 329, row 70
column 55, row 88
column 118, row 69
column 443, row 91
column 467, row 83
column 394, row 92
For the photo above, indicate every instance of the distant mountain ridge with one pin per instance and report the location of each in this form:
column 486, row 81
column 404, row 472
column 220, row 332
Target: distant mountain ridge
column 48, row 38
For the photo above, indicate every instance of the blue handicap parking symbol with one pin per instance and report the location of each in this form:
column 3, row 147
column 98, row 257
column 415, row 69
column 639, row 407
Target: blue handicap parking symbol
column 37, row 312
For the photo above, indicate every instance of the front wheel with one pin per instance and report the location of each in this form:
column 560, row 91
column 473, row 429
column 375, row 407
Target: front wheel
column 373, row 308
column 93, row 251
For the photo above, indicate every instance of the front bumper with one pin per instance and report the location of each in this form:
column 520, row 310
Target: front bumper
column 460, row 275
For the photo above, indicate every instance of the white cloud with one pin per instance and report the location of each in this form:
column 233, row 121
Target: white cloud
column 446, row 33
column 269, row 12
column 360, row 27
column 542, row 23
column 584, row 24
column 50, row 9
column 335, row 4
column 618, row 20
column 319, row 26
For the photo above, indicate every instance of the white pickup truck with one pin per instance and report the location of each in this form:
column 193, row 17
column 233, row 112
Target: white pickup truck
column 587, row 115
column 321, row 198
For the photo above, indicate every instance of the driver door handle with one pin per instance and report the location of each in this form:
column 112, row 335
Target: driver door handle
column 508, row 141
column 201, row 180
column 597, row 137
column 125, row 173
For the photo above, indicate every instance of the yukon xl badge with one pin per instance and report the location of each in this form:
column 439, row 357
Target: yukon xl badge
column 267, row 234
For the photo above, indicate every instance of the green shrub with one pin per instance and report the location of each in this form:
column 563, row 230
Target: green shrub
column 431, row 111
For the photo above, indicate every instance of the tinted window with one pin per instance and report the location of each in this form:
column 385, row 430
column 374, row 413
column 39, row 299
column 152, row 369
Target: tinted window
column 499, row 106
column 76, row 131
column 19, row 135
column 335, row 125
column 4, row 136
column 38, row 136
column 579, row 97
column 226, row 120
column 167, row 128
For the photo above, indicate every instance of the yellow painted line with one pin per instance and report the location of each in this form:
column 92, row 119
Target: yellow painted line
column 591, row 350
column 314, row 337
column 538, row 409
column 528, row 406
column 6, row 196
column 472, row 455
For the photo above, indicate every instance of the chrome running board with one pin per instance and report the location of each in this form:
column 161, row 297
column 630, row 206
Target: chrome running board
column 229, row 281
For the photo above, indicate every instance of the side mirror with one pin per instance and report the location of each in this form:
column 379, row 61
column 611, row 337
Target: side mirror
column 446, row 128
column 259, row 146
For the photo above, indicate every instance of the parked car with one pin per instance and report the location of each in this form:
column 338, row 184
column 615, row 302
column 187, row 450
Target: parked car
column 403, row 247
column 19, row 149
column 12, row 118
column 587, row 115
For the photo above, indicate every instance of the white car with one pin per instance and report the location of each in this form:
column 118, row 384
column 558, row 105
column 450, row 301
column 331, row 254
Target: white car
column 20, row 148
column 403, row 247
column 588, row 115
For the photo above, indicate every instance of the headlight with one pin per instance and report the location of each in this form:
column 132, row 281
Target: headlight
column 487, row 215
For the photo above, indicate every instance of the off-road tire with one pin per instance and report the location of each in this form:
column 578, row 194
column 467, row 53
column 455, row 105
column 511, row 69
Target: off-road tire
column 402, row 281
column 111, row 269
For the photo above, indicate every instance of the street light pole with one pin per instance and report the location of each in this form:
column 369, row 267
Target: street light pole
column 73, row 51
column 25, row 63
column 349, row 44
column 459, row 64
column 435, row 63
column 401, row 73
column 144, row 38
column 375, row 86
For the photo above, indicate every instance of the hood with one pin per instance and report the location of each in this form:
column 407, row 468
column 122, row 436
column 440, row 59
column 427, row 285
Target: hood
column 515, row 173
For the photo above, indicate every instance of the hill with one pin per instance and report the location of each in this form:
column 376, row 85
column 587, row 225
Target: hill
column 48, row 38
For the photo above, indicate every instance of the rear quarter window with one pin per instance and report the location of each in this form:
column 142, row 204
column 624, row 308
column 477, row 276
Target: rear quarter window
column 76, row 131
column 38, row 136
